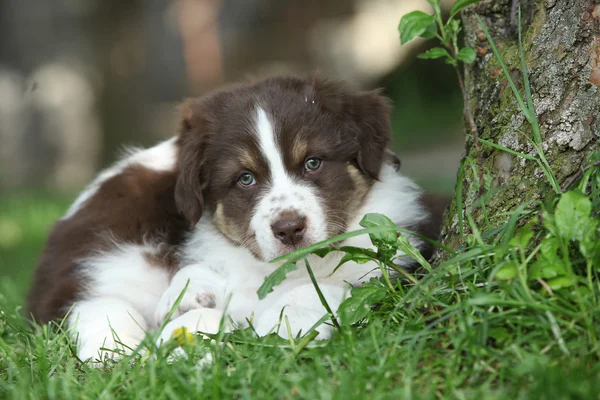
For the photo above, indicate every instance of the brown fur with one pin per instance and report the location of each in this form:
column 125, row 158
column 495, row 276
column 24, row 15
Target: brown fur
column 133, row 206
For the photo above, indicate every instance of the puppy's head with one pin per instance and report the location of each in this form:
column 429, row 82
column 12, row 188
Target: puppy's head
column 282, row 163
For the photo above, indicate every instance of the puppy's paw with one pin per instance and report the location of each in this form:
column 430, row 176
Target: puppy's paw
column 300, row 319
column 205, row 320
column 195, row 297
column 97, row 350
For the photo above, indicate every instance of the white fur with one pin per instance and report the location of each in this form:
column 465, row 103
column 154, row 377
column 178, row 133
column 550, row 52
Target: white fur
column 105, row 323
column 285, row 194
column 158, row 158
column 122, row 293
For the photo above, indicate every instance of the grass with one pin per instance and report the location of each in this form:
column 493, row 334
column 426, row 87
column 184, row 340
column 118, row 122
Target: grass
column 457, row 333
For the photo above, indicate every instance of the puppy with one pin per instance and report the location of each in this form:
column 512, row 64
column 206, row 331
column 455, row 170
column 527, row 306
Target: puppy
column 256, row 171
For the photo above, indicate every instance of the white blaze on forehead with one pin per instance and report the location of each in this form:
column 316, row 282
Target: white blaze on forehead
column 284, row 194
column 266, row 137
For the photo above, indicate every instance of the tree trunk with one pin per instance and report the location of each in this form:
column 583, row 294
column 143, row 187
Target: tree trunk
column 561, row 41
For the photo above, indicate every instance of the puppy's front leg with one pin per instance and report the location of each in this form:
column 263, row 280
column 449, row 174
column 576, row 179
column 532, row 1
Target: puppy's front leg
column 205, row 290
column 302, row 307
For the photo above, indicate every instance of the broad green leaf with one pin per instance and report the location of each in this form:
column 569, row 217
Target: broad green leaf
column 413, row 25
column 466, row 55
column 508, row 271
column 560, row 283
column 358, row 258
column 522, row 237
column 358, row 306
column 549, row 263
column 589, row 243
column 459, row 5
column 436, row 52
column 385, row 241
column 430, row 32
column 380, row 220
column 572, row 215
column 275, row 278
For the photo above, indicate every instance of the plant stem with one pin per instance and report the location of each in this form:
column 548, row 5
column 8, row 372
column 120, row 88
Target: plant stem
column 320, row 294
column 467, row 106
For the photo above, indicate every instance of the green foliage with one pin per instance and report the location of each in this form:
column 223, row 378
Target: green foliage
column 416, row 24
column 384, row 234
column 428, row 26
column 275, row 279
column 358, row 305
column 460, row 5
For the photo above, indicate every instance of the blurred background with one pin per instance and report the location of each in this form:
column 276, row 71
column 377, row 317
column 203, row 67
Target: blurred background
column 79, row 79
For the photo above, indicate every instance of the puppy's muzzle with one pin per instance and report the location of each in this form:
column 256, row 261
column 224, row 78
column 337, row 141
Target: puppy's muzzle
column 289, row 228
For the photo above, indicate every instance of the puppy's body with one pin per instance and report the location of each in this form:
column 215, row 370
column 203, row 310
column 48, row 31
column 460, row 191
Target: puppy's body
column 269, row 167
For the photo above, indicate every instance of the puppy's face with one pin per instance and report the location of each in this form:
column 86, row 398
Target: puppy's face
column 280, row 164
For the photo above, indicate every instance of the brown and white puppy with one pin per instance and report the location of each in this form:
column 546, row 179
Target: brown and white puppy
column 256, row 171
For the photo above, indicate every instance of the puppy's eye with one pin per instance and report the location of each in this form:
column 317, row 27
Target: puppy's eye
column 246, row 180
column 312, row 164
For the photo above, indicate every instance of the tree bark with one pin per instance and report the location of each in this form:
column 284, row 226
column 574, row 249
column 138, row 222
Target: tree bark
column 561, row 40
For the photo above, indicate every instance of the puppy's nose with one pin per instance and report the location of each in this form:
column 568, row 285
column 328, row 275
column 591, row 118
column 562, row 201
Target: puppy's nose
column 289, row 229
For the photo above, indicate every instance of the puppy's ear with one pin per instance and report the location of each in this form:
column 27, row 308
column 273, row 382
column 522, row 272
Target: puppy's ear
column 372, row 115
column 191, row 179
column 364, row 117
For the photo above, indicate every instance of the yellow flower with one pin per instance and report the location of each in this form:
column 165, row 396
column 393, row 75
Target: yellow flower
column 183, row 336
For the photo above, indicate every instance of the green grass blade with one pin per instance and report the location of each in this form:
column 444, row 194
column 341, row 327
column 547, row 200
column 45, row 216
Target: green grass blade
column 320, row 294
column 505, row 70
column 534, row 120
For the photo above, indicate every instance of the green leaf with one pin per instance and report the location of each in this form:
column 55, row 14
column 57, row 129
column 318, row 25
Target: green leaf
column 324, row 251
column 430, row 32
column 572, row 216
column 358, row 306
column 459, row 5
column 466, row 55
column 299, row 254
column 508, row 271
column 560, row 283
column 275, row 278
column 380, row 220
column 413, row 25
column 549, row 263
column 499, row 334
column 436, row 52
column 522, row 237
column 404, row 244
column 386, row 240
column 355, row 254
